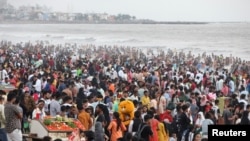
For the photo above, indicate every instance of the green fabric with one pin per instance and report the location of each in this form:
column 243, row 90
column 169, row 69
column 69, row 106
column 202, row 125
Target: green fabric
column 115, row 106
column 171, row 106
column 26, row 125
column 79, row 72
column 183, row 97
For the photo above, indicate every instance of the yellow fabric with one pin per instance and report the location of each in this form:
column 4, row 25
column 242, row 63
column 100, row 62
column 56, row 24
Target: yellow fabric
column 162, row 135
column 54, row 82
column 221, row 104
column 85, row 119
column 145, row 101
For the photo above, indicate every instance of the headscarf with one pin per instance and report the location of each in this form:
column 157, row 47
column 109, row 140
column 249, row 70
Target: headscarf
column 200, row 119
column 203, row 100
column 99, row 133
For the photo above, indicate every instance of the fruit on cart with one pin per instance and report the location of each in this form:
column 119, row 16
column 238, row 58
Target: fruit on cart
column 62, row 124
column 47, row 121
column 79, row 125
column 65, row 127
column 59, row 118
column 59, row 126
column 71, row 124
column 65, row 119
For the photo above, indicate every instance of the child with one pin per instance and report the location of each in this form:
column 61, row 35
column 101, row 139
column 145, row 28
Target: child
column 173, row 137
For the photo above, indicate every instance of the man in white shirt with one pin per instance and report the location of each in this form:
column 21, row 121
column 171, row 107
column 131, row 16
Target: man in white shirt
column 78, row 84
column 3, row 73
column 38, row 84
column 39, row 110
column 219, row 83
column 243, row 100
column 99, row 89
column 134, row 96
column 121, row 73
column 198, row 78
column 113, row 74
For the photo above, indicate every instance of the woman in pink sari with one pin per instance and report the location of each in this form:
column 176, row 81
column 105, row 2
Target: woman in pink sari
column 203, row 102
column 161, row 102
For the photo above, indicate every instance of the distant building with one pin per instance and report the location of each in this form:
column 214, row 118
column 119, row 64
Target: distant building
column 43, row 13
column 103, row 16
column 3, row 4
column 72, row 16
column 111, row 18
column 90, row 17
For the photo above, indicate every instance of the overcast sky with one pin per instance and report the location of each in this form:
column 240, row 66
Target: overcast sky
column 160, row 10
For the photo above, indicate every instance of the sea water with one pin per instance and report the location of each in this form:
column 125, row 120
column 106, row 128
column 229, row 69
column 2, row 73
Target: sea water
column 217, row 38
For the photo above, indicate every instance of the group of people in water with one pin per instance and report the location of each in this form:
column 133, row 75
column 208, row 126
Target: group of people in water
column 176, row 94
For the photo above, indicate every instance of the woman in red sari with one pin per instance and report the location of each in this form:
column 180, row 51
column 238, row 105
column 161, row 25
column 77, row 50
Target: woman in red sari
column 154, row 124
column 116, row 127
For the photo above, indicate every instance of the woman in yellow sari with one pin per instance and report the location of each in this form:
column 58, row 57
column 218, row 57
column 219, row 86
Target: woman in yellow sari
column 162, row 133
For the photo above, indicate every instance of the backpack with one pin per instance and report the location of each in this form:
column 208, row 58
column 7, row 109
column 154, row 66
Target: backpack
column 137, row 136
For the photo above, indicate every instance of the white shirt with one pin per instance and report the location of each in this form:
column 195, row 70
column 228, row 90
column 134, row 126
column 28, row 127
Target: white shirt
column 2, row 119
column 245, row 103
column 38, row 111
column 46, row 104
column 172, row 139
column 125, row 76
column 130, row 127
column 44, row 83
column 3, row 74
column 101, row 91
column 133, row 97
column 113, row 75
column 79, row 85
column 30, row 76
column 198, row 78
column 121, row 74
column 38, row 85
column 219, row 84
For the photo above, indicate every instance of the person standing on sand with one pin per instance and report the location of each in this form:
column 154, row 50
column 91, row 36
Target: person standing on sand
column 83, row 116
column 13, row 116
column 116, row 127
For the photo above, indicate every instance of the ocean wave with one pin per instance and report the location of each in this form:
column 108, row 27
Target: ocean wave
column 72, row 38
column 18, row 35
column 91, row 39
column 112, row 40
column 129, row 41
column 58, row 37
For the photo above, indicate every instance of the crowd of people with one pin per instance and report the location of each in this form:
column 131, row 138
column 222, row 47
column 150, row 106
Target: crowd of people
column 176, row 94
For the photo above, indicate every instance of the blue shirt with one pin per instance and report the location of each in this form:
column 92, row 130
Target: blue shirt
column 167, row 96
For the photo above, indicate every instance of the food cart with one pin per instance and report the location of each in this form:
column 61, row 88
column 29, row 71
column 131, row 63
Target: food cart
column 54, row 127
